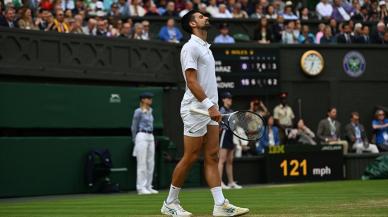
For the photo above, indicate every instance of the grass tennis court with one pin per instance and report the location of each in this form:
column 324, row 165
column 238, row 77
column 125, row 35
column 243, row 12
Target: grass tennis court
column 345, row 198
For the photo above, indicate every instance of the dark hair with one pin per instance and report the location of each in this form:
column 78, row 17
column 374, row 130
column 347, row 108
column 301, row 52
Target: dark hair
column 186, row 19
column 331, row 108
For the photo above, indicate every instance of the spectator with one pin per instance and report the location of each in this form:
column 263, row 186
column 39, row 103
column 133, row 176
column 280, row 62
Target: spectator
column 223, row 12
column 329, row 130
column 283, row 115
column 288, row 13
column 364, row 37
column 259, row 12
column 79, row 6
column 357, row 32
column 212, row 9
column 290, row 34
column 271, row 13
column 42, row 20
column 90, row 28
column 188, row 7
column 327, row 37
column 146, row 30
column 342, row 11
column 114, row 10
column 76, row 25
column 320, row 33
column 46, row 5
column 152, row 11
column 277, row 29
column 170, row 10
column 345, row 37
column 170, row 33
column 377, row 36
column 279, row 6
column 102, row 28
column 385, row 38
column 257, row 106
column 67, row 5
column 237, row 12
column 334, row 27
column 263, row 34
column 324, row 9
column 161, row 5
column 383, row 12
column 302, row 134
column 203, row 9
column 25, row 21
column 224, row 37
column 179, row 5
column 138, row 31
column 306, row 37
column 8, row 19
column 356, row 135
column 380, row 127
column 123, row 8
column 305, row 14
column 126, row 31
column 227, row 145
column 136, row 9
column 271, row 136
column 59, row 24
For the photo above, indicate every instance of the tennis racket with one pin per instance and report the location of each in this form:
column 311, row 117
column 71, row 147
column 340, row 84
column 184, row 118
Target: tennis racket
column 246, row 125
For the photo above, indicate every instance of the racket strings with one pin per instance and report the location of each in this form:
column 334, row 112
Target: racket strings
column 246, row 125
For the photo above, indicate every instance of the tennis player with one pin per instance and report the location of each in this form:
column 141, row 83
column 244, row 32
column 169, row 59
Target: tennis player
column 200, row 132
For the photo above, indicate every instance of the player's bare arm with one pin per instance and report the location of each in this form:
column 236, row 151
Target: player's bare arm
column 196, row 89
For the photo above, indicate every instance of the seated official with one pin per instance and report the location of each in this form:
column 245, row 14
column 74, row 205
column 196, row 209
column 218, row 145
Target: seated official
column 356, row 136
column 224, row 37
column 270, row 138
column 302, row 134
column 380, row 126
column 329, row 130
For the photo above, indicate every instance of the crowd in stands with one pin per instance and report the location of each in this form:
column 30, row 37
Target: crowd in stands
column 279, row 21
column 283, row 128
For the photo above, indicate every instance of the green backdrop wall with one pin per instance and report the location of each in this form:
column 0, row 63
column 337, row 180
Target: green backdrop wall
column 39, row 105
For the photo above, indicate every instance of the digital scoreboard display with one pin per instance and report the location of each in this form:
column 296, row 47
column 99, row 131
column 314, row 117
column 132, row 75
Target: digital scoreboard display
column 300, row 163
column 247, row 71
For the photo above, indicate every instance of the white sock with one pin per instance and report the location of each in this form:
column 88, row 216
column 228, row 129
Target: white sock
column 218, row 196
column 173, row 194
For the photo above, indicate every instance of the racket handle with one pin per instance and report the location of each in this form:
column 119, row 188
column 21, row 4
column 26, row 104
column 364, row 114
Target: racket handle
column 199, row 111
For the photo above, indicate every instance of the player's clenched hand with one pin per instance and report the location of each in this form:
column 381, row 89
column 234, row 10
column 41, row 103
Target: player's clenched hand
column 214, row 114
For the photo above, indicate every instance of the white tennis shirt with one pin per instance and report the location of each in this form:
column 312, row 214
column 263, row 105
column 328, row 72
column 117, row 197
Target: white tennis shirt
column 196, row 54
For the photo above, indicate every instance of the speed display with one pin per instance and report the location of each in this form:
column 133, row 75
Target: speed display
column 247, row 71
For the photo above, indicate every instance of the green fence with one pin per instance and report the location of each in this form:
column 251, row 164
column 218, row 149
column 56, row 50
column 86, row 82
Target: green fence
column 37, row 105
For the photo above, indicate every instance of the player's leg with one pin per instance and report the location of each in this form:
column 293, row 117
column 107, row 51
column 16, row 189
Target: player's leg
column 222, row 206
column 192, row 148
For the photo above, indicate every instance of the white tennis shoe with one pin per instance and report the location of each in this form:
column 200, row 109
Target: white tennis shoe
column 153, row 191
column 228, row 209
column 234, row 185
column 174, row 209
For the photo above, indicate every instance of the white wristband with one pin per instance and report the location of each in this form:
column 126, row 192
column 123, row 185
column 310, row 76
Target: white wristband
column 207, row 103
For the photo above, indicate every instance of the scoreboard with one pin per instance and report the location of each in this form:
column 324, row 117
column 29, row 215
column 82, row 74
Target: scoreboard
column 247, row 71
column 299, row 163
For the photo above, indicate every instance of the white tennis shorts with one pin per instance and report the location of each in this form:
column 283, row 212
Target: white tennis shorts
column 195, row 125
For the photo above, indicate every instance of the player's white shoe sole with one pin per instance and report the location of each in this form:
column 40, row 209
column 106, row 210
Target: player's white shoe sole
column 228, row 209
column 174, row 210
